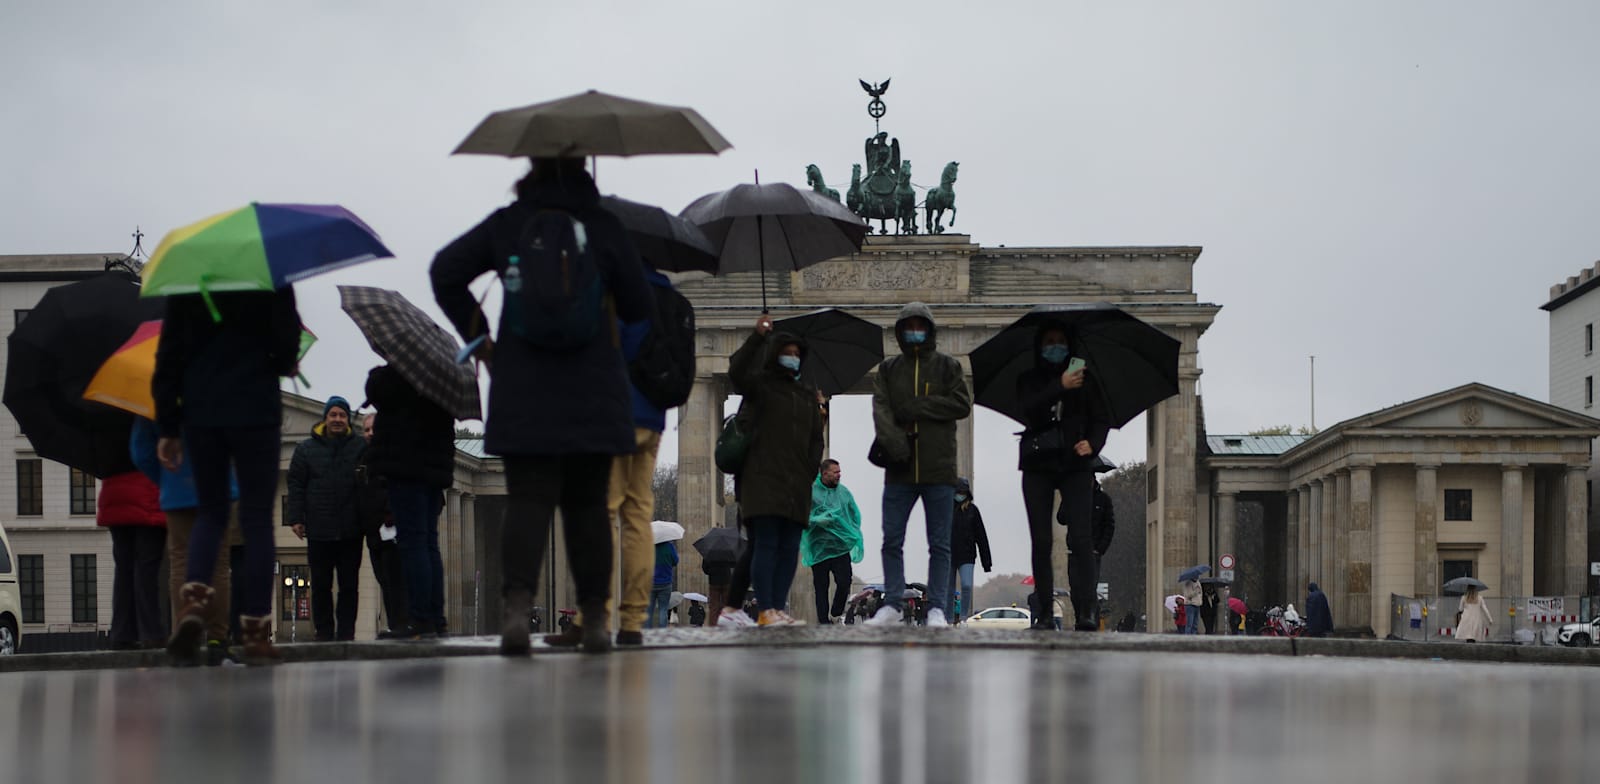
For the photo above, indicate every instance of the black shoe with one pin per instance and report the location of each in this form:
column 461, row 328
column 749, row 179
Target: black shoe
column 630, row 638
column 566, row 638
column 417, row 633
column 1086, row 626
column 1042, row 626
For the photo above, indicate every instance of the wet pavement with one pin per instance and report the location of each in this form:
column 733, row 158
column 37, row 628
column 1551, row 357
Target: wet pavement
column 961, row 711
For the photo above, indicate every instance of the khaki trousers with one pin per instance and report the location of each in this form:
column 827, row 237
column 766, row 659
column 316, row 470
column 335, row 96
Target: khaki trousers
column 180, row 524
column 632, row 502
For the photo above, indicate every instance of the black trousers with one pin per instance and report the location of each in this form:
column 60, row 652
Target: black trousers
column 136, row 612
column 341, row 557
column 391, row 579
column 536, row 486
column 739, row 582
column 837, row 567
column 1076, row 488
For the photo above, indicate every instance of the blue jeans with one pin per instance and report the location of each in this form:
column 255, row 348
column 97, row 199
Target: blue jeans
column 252, row 453
column 963, row 577
column 938, row 506
column 416, row 510
column 660, row 604
column 1191, row 619
column 776, row 556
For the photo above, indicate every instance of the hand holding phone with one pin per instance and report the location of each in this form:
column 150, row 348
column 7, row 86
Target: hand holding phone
column 1075, row 364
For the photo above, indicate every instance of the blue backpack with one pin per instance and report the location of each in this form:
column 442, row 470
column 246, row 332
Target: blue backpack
column 554, row 295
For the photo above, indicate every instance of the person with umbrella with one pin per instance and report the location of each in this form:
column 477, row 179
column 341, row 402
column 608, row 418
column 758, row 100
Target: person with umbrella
column 917, row 399
column 775, row 484
column 1473, row 619
column 1319, row 616
column 559, row 400
column 832, row 541
column 1194, row 596
column 666, row 567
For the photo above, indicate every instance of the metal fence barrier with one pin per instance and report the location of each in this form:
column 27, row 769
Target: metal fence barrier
column 1524, row 620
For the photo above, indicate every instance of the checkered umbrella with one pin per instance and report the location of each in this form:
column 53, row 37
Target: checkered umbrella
column 415, row 346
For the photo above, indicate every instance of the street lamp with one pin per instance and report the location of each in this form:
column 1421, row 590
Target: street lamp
column 295, row 585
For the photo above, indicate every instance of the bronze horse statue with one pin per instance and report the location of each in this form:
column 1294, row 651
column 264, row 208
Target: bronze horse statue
column 814, row 179
column 940, row 199
column 853, row 198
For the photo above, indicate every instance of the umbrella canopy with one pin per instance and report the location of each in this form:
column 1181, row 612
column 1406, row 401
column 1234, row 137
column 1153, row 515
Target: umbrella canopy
column 593, row 123
column 1193, row 573
column 123, row 381
column 420, row 350
column 1215, row 581
column 719, row 546
column 696, row 597
column 260, row 247
column 1131, row 365
column 1237, row 605
column 777, row 225
column 1172, row 603
column 840, row 348
column 1028, row 580
column 665, row 531
column 669, row 243
column 51, row 358
column 1102, row 465
column 1455, row 586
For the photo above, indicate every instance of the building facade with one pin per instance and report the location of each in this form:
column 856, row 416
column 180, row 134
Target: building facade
column 1574, row 308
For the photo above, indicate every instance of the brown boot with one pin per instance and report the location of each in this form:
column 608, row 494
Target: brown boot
column 514, row 636
column 566, row 638
column 714, row 604
column 596, row 633
column 256, row 634
column 193, row 610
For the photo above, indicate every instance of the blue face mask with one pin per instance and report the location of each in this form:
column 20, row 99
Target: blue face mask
column 792, row 363
column 915, row 337
column 1055, row 353
column 961, row 498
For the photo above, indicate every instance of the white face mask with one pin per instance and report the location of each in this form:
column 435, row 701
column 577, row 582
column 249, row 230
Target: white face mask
column 790, row 362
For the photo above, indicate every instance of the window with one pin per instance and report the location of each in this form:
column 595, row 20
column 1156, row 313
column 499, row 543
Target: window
column 30, row 582
column 85, row 608
column 1458, row 504
column 1149, row 429
column 30, row 487
column 82, row 493
column 1588, row 391
column 1451, row 569
column 5, row 558
column 1588, row 339
column 19, row 314
column 1151, row 483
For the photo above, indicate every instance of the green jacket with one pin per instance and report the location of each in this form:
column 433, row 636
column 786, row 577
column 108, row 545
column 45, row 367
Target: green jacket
column 917, row 400
column 786, row 444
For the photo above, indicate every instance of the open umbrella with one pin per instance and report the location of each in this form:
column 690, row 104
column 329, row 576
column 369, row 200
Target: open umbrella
column 420, row 350
column 840, row 348
column 1028, row 580
column 1131, row 365
column 696, row 597
column 54, row 353
column 1237, row 605
column 754, row 226
column 1171, row 602
column 1215, row 581
column 123, row 381
column 665, row 531
column 593, row 123
column 1193, row 572
column 1458, row 585
column 260, row 247
column 719, row 546
column 667, row 242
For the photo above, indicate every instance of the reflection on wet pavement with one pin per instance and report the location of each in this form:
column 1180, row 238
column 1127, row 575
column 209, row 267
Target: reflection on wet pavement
column 832, row 714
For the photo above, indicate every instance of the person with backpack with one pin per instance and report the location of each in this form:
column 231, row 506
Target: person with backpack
column 969, row 542
column 560, row 405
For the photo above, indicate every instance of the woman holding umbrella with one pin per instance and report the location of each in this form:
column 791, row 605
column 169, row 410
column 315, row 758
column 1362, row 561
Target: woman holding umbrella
column 1064, row 433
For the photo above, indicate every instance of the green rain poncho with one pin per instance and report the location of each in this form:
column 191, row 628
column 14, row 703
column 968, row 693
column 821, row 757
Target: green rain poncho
column 835, row 526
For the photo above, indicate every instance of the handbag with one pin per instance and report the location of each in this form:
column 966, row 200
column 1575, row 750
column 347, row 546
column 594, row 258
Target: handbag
column 733, row 443
column 1041, row 446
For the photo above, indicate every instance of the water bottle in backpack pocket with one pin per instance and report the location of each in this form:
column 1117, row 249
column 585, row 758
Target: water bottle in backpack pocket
column 554, row 295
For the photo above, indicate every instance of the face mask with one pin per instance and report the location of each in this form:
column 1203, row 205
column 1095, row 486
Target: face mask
column 916, row 337
column 960, row 498
column 1055, row 353
column 792, row 363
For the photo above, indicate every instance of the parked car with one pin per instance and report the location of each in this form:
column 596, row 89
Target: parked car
column 1000, row 618
column 10, row 600
column 1579, row 635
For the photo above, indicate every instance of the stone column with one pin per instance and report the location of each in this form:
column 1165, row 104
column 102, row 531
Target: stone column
column 1575, row 578
column 964, row 449
column 699, row 481
column 471, row 567
column 1227, row 539
column 1176, row 512
column 1338, row 595
column 1426, row 554
column 1511, row 528
column 1314, row 572
column 1291, row 543
column 1358, row 571
column 450, row 546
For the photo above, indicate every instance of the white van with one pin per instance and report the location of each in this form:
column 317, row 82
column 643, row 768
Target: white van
column 10, row 600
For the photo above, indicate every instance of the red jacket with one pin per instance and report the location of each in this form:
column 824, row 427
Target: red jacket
column 129, row 499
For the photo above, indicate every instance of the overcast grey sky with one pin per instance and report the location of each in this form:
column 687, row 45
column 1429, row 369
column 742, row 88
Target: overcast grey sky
column 1389, row 186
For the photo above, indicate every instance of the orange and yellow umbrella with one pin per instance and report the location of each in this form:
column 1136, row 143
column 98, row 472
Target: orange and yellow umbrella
column 123, row 380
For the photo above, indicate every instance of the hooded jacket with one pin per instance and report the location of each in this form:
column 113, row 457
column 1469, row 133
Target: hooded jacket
column 1319, row 616
column 786, row 426
column 1078, row 417
column 414, row 439
column 917, row 399
column 968, row 539
column 322, row 485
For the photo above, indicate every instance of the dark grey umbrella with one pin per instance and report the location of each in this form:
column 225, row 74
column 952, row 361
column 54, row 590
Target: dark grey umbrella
column 840, row 348
column 668, row 242
column 593, row 123
column 1461, row 584
column 720, row 546
column 416, row 347
column 777, row 225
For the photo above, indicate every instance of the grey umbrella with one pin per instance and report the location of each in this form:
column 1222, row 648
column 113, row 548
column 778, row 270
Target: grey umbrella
column 593, row 123
column 776, row 225
column 669, row 243
column 1461, row 584
column 414, row 345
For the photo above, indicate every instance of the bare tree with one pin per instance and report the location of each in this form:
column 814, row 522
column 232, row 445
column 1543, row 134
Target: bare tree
column 1123, row 566
column 665, row 485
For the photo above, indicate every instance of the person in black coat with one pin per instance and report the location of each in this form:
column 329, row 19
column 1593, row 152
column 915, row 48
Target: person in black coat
column 1064, row 433
column 1319, row 616
column 556, row 416
column 321, row 509
column 218, row 406
column 377, row 527
column 968, row 541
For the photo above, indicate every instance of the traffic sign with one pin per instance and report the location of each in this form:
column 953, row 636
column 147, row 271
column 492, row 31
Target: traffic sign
column 1594, row 568
column 1227, row 560
column 1226, row 574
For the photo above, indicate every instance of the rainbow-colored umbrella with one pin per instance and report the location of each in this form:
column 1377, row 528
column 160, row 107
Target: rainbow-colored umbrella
column 261, row 247
column 123, row 380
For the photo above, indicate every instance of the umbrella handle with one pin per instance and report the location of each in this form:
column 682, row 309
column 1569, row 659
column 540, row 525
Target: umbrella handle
column 205, row 295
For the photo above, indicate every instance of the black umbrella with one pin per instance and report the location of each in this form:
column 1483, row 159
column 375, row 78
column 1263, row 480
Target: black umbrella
column 53, row 354
column 719, row 546
column 1131, row 365
column 668, row 242
column 840, row 348
column 753, row 226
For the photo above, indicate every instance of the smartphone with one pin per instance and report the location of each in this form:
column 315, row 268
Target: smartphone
column 1076, row 364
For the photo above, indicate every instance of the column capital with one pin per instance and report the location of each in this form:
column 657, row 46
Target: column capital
column 1221, row 492
column 1314, row 482
column 1580, row 470
column 1363, row 462
column 1515, row 466
column 1427, row 465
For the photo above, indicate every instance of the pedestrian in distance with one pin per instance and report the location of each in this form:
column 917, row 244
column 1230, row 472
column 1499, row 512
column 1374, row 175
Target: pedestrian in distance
column 666, row 567
column 832, row 541
column 1195, row 599
column 1473, row 619
column 780, row 467
column 560, row 406
column 219, row 409
column 1319, row 616
column 321, row 511
column 380, row 533
column 969, row 542
column 129, row 506
column 917, row 399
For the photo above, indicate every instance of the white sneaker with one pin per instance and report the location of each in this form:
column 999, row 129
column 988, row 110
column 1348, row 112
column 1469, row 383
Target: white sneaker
column 734, row 617
column 936, row 619
column 885, row 616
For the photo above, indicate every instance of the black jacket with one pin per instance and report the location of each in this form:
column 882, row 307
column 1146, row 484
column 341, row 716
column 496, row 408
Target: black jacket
column 372, row 497
column 1319, row 617
column 546, row 403
column 968, row 539
column 322, row 485
column 917, row 399
column 1105, row 520
column 786, row 446
column 1081, row 418
column 414, row 439
column 224, row 373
